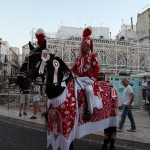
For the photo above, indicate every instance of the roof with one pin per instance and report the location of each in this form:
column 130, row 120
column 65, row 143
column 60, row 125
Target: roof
column 67, row 32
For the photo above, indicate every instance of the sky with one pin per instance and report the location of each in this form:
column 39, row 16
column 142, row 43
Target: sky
column 19, row 17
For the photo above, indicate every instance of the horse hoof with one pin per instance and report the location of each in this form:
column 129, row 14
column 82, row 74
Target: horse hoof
column 112, row 147
column 104, row 147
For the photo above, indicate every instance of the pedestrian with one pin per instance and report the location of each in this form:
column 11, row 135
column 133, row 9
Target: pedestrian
column 36, row 97
column 148, row 96
column 144, row 87
column 127, row 99
column 24, row 98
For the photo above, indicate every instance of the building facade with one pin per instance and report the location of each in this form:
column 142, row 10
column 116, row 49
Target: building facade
column 128, row 56
column 13, row 61
column 68, row 32
column 127, row 33
column 143, row 26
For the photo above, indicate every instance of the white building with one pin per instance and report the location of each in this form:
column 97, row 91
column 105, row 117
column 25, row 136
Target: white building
column 4, row 48
column 25, row 52
column 8, row 59
column 127, row 33
column 67, row 32
column 143, row 26
column 13, row 61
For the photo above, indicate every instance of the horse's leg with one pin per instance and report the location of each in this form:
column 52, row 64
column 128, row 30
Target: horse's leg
column 106, row 139
column 112, row 136
column 109, row 137
column 71, row 146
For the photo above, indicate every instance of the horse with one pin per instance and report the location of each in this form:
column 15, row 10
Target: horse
column 66, row 104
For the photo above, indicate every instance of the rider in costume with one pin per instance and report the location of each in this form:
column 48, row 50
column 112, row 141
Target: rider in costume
column 87, row 68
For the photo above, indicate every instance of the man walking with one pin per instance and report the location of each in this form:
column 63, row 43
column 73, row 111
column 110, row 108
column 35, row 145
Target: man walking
column 127, row 99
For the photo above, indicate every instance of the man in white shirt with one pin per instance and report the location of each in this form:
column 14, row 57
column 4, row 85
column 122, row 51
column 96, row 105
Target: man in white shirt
column 127, row 99
column 36, row 98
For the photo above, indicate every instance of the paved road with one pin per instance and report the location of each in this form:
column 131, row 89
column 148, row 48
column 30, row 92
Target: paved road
column 15, row 137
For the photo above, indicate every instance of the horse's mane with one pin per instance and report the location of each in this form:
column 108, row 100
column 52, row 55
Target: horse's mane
column 64, row 64
column 38, row 49
column 57, row 89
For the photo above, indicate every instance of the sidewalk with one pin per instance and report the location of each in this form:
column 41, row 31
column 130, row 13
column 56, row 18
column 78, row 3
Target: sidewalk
column 141, row 136
column 12, row 114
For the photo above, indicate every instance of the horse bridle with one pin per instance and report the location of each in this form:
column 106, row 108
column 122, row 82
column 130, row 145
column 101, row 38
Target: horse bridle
column 27, row 74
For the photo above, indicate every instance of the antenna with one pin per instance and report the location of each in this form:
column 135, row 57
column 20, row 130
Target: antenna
column 122, row 21
column 131, row 23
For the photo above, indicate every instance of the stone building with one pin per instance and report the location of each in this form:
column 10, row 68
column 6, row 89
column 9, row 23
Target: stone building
column 143, row 26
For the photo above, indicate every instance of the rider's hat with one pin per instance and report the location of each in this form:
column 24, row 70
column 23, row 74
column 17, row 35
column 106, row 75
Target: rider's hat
column 86, row 37
column 40, row 31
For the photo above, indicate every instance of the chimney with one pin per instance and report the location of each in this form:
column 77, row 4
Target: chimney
column 131, row 23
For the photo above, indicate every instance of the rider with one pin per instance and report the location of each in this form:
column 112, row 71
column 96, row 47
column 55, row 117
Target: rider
column 87, row 68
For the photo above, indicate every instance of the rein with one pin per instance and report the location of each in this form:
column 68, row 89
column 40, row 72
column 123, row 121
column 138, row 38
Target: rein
column 24, row 74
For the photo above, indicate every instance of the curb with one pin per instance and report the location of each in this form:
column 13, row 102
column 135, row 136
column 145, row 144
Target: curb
column 120, row 143
column 24, row 123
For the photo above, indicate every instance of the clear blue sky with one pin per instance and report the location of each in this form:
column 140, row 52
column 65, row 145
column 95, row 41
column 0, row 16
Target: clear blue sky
column 18, row 17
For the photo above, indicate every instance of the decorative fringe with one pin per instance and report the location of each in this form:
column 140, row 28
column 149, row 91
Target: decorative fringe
column 59, row 99
column 93, row 127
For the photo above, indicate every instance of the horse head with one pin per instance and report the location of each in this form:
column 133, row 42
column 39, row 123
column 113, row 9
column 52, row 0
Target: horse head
column 58, row 76
column 29, row 70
